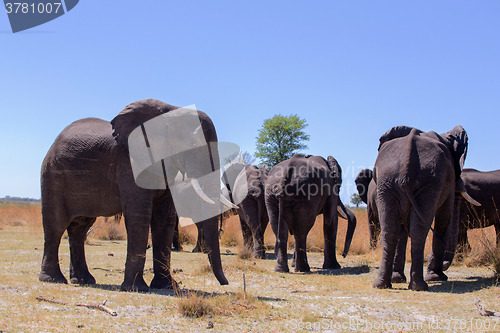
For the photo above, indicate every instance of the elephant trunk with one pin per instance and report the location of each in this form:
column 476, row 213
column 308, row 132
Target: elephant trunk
column 452, row 239
column 351, row 227
column 211, row 233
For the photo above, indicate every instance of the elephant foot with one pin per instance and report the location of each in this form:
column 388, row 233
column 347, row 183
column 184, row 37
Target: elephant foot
column 137, row 285
column 177, row 248
column 164, row 283
column 87, row 279
column 53, row 278
column 259, row 254
column 420, row 285
column 382, row 283
column 398, row 277
column 281, row 268
column 446, row 265
column 302, row 268
column 331, row 265
column 199, row 249
column 435, row 276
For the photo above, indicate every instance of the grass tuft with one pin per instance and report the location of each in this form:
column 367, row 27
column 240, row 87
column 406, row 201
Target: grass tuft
column 228, row 304
column 244, row 253
column 195, row 306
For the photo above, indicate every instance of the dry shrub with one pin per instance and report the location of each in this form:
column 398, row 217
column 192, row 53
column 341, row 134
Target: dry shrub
column 187, row 235
column 107, row 230
column 228, row 304
column 483, row 249
column 195, row 306
column 203, row 270
column 245, row 253
column 231, row 235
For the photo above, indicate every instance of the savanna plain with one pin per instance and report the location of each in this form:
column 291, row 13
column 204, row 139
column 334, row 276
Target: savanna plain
column 257, row 299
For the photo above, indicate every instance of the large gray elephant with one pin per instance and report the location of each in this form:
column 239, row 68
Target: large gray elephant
column 88, row 172
column 296, row 191
column 248, row 194
column 417, row 178
column 485, row 188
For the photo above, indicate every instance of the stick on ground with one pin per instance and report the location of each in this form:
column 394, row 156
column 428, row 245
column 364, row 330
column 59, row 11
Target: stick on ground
column 101, row 307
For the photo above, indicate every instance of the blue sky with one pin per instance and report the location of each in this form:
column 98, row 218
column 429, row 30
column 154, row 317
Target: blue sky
column 352, row 69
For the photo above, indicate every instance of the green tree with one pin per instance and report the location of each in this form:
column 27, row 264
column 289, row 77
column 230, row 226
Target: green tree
column 356, row 199
column 280, row 137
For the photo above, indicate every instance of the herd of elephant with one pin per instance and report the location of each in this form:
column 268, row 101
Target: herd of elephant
column 418, row 178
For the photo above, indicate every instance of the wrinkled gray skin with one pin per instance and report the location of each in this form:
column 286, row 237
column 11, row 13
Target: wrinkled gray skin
column 485, row 188
column 416, row 176
column 367, row 191
column 87, row 173
column 296, row 191
column 248, row 192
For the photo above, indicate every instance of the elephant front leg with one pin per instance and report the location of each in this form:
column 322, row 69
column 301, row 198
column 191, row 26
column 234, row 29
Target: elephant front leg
column 330, row 226
column 162, row 231
column 77, row 233
column 247, row 233
column 55, row 221
column 51, row 271
column 137, row 241
column 200, row 241
column 258, row 240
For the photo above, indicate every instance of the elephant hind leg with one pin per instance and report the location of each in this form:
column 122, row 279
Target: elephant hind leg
column 398, row 275
column 55, row 222
column 77, row 233
column 390, row 221
column 300, row 253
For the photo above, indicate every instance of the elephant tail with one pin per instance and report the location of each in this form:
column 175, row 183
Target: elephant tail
column 281, row 218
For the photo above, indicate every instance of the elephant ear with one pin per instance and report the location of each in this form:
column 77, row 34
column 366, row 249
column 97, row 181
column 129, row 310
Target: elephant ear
column 362, row 182
column 134, row 115
column 335, row 169
column 394, row 133
column 457, row 141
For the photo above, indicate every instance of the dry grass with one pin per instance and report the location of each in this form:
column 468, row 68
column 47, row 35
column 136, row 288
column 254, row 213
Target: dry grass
column 240, row 304
column 20, row 215
column 273, row 302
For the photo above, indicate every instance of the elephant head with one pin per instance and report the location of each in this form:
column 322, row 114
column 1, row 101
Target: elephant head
column 163, row 140
column 362, row 182
column 229, row 177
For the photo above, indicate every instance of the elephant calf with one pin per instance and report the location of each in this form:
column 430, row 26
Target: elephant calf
column 296, row 191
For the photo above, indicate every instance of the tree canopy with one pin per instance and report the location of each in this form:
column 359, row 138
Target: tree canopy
column 356, row 199
column 280, row 138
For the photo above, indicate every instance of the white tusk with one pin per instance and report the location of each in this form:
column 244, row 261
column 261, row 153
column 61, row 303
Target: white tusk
column 198, row 130
column 200, row 192
column 227, row 203
column 341, row 212
column 469, row 199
